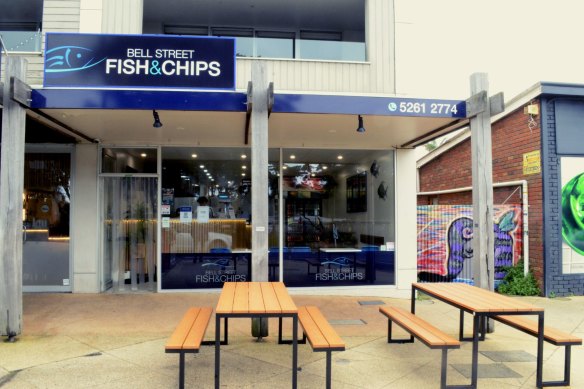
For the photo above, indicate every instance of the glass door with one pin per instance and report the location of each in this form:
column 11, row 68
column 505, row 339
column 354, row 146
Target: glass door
column 129, row 214
column 46, row 204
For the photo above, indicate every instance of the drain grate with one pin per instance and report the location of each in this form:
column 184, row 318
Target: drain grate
column 509, row 356
column 357, row 322
column 371, row 302
column 494, row 370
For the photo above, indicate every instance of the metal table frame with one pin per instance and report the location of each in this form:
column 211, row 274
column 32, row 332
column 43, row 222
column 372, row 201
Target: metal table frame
column 479, row 325
column 236, row 315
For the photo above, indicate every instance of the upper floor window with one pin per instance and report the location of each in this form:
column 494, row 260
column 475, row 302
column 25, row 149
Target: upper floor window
column 20, row 25
column 322, row 30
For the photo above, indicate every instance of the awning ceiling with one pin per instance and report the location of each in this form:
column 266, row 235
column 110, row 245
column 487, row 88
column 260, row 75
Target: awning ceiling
column 219, row 119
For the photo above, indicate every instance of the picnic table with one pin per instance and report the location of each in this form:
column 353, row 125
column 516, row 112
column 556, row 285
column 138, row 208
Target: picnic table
column 482, row 304
column 255, row 300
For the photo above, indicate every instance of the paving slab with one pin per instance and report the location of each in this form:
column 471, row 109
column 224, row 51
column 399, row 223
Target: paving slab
column 117, row 341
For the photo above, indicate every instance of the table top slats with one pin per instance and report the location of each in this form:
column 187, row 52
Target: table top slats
column 182, row 329
column 195, row 336
column 225, row 304
column 476, row 299
column 241, row 298
column 287, row 305
column 271, row 303
column 256, row 298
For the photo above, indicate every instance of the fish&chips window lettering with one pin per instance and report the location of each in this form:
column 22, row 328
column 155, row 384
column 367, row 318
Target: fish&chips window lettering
column 337, row 221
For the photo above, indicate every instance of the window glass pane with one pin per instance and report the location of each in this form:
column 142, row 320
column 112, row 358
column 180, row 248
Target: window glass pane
column 206, row 214
column 129, row 212
column 128, row 160
column 244, row 47
column 274, row 48
column 338, row 218
column 330, row 50
column 46, row 205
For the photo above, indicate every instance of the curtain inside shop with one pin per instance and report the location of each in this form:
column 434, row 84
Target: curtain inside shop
column 129, row 231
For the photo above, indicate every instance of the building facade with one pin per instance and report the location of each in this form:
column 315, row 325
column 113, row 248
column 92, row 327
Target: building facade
column 150, row 187
column 527, row 161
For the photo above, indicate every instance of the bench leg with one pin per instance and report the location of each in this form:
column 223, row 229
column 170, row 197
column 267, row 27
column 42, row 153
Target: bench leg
column 390, row 340
column 328, row 369
column 443, row 369
column 181, row 371
column 567, row 363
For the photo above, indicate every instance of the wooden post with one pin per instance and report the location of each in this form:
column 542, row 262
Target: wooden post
column 11, row 189
column 482, row 188
column 259, row 176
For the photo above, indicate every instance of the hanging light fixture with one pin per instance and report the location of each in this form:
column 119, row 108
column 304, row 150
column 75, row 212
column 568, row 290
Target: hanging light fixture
column 360, row 128
column 157, row 123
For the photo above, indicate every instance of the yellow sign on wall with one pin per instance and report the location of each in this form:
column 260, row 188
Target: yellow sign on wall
column 531, row 163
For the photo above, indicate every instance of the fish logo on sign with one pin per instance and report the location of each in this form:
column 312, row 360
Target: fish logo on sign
column 70, row 59
column 340, row 261
column 221, row 262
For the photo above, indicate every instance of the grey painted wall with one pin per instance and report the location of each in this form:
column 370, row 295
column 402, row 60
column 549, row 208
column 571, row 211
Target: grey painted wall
column 556, row 282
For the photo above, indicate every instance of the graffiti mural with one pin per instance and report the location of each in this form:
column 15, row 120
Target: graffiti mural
column 445, row 233
column 572, row 179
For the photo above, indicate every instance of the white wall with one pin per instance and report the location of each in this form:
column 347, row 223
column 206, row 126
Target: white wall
column 85, row 235
column 90, row 16
column 122, row 16
column 406, row 216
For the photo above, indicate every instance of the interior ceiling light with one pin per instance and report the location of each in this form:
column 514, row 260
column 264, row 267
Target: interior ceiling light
column 360, row 128
column 340, row 157
column 292, row 156
column 157, row 123
column 194, row 155
column 143, row 155
column 243, row 156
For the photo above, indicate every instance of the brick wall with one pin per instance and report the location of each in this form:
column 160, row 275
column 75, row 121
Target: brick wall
column 511, row 138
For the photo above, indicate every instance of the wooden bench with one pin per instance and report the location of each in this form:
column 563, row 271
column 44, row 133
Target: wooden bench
column 550, row 335
column 320, row 334
column 188, row 336
column 423, row 331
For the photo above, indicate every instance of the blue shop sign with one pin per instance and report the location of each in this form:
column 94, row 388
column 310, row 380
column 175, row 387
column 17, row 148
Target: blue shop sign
column 139, row 61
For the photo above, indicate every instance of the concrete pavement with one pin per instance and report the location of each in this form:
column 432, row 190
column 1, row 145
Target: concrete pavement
column 117, row 341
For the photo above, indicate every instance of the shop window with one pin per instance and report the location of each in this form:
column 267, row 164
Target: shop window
column 338, row 218
column 206, row 213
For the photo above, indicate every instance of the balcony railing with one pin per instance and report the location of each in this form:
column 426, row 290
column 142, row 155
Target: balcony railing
column 255, row 47
column 22, row 41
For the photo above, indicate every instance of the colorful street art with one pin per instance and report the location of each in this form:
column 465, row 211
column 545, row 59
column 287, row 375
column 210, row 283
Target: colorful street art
column 572, row 192
column 445, row 233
